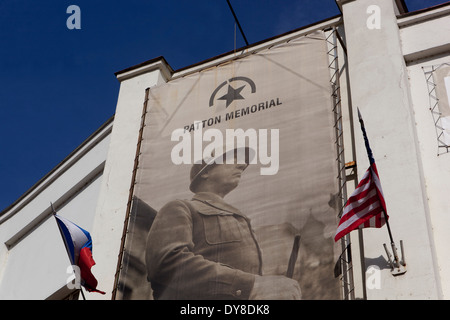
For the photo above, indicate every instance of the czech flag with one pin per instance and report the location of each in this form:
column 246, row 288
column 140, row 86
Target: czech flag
column 79, row 247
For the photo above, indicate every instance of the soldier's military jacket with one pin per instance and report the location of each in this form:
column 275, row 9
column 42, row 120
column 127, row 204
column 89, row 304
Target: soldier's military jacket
column 202, row 248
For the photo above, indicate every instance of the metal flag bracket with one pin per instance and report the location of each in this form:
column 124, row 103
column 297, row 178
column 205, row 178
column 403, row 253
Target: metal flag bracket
column 398, row 267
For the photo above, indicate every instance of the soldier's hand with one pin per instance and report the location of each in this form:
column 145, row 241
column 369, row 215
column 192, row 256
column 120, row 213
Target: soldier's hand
column 275, row 288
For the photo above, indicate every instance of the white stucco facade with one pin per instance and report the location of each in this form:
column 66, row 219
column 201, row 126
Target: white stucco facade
column 34, row 261
column 381, row 87
column 382, row 73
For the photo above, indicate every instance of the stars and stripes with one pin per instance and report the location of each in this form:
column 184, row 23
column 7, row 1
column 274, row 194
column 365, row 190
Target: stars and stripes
column 366, row 207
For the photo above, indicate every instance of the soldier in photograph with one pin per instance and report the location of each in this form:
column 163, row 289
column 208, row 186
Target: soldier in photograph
column 205, row 248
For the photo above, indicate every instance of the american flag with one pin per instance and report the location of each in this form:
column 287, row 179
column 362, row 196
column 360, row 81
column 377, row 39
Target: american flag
column 366, row 207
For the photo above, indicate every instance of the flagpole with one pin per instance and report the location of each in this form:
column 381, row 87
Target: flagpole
column 53, row 209
column 82, row 294
column 388, row 228
column 372, row 161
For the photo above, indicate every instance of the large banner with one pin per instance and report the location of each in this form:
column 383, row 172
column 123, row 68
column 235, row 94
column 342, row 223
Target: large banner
column 256, row 222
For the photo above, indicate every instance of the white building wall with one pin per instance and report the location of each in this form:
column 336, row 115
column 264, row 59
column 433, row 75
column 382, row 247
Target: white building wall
column 380, row 89
column 113, row 198
column 33, row 259
column 426, row 39
column 436, row 170
column 36, row 267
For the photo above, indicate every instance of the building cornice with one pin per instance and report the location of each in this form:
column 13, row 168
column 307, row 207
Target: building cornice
column 158, row 63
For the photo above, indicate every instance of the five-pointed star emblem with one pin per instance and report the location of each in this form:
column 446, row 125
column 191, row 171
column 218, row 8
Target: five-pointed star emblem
column 232, row 94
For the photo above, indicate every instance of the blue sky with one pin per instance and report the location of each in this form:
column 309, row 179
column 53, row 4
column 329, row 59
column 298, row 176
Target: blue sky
column 57, row 86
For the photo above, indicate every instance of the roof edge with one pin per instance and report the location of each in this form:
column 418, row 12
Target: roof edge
column 167, row 71
column 97, row 134
column 159, row 63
